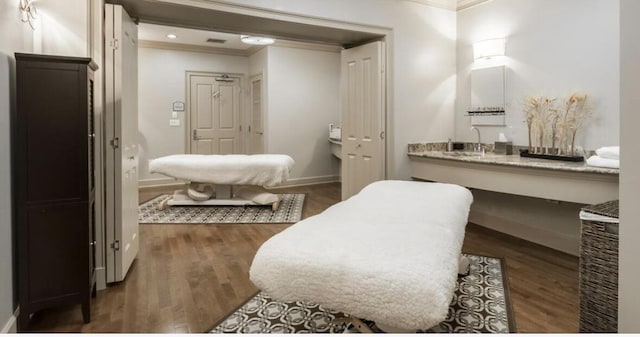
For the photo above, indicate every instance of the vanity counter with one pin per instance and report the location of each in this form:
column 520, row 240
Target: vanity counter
column 548, row 179
column 517, row 161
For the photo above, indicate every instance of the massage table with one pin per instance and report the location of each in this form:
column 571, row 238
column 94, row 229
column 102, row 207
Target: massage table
column 390, row 254
column 212, row 178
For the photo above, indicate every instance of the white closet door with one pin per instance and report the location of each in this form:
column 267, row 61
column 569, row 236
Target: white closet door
column 363, row 117
column 121, row 123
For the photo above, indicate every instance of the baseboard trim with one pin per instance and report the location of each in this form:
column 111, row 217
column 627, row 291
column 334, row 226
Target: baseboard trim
column 101, row 278
column 307, row 181
column 12, row 324
column 159, row 182
column 165, row 182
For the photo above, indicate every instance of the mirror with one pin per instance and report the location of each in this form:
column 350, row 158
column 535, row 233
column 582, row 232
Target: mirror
column 488, row 96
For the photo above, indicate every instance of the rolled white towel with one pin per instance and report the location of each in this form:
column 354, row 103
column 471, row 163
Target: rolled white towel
column 603, row 162
column 609, row 152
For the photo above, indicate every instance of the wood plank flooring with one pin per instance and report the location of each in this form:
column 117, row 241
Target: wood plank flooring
column 188, row 277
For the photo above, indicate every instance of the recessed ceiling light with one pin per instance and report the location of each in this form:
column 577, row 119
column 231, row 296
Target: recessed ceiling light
column 172, row 36
column 256, row 40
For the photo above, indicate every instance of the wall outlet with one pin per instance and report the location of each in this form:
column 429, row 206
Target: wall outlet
column 174, row 122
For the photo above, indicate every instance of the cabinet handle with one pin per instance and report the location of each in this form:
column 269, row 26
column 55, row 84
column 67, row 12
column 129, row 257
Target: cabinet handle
column 92, row 243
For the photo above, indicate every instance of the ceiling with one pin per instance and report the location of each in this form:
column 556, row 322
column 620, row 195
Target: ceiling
column 165, row 13
column 158, row 33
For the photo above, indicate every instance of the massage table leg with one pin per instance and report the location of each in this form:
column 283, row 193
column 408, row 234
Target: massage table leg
column 464, row 265
column 357, row 323
column 223, row 196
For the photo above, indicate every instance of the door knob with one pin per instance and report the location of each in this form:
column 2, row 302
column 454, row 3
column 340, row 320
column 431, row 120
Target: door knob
column 195, row 134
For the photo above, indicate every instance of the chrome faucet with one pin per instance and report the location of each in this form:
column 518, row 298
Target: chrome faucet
column 478, row 146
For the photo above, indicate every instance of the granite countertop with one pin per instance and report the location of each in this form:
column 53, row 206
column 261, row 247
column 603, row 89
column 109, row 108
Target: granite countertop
column 434, row 151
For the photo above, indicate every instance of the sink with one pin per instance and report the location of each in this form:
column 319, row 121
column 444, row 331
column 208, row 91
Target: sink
column 463, row 154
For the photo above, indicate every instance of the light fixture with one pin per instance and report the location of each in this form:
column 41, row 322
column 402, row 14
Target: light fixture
column 172, row 36
column 488, row 48
column 256, row 40
column 29, row 12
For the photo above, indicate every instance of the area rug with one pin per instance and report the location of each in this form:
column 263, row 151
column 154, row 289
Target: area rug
column 290, row 211
column 480, row 304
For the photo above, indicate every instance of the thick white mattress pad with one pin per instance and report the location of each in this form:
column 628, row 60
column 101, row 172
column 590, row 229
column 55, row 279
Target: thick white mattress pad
column 230, row 169
column 388, row 254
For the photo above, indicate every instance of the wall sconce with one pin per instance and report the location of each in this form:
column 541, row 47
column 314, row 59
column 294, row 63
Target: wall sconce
column 29, row 12
column 488, row 48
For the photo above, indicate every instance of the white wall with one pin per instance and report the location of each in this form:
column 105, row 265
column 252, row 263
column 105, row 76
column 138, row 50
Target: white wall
column 423, row 64
column 64, row 27
column 553, row 48
column 162, row 81
column 16, row 36
column 629, row 291
column 302, row 97
column 303, row 90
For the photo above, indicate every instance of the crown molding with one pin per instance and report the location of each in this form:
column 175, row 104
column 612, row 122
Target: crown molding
column 444, row 4
column 464, row 4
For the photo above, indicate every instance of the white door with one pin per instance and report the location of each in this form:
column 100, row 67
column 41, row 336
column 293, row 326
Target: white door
column 256, row 126
column 121, row 123
column 214, row 114
column 363, row 117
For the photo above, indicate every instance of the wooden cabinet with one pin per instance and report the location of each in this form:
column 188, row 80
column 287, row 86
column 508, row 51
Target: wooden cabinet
column 53, row 168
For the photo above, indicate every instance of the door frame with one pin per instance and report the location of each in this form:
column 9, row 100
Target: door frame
column 187, row 115
column 263, row 99
column 96, row 48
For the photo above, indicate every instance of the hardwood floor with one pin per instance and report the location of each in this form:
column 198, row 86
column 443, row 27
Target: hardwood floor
column 188, row 277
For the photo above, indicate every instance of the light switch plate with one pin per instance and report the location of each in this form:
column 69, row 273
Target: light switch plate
column 174, row 114
column 174, row 122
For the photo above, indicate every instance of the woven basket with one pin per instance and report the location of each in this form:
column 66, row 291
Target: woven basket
column 599, row 271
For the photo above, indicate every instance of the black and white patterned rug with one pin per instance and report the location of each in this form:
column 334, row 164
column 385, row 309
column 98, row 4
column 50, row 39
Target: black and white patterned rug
column 289, row 211
column 480, row 304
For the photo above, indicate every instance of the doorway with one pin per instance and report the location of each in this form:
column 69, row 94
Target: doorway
column 253, row 20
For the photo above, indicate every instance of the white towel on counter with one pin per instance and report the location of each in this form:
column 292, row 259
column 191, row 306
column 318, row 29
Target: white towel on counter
column 609, row 152
column 603, row 162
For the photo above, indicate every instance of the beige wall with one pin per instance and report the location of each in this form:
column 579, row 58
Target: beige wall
column 303, row 90
column 15, row 36
column 629, row 292
column 162, row 81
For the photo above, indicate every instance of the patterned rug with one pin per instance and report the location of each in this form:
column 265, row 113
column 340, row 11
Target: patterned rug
column 290, row 211
column 480, row 304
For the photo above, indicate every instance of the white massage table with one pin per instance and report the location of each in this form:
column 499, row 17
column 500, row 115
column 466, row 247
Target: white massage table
column 390, row 254
column 212, row 178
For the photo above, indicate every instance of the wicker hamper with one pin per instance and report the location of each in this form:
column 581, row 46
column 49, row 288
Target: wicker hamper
column 599, row 268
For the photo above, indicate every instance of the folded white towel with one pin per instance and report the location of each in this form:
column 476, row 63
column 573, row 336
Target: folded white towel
column 603, row 162
column 609, row 152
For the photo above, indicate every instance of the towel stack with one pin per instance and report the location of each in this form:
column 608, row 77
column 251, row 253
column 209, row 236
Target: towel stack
column 608, row 156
